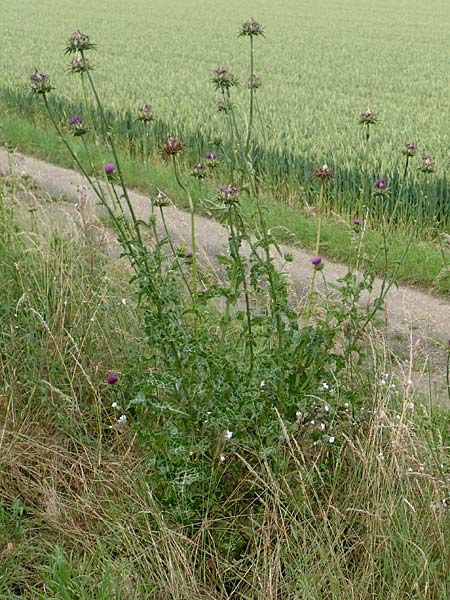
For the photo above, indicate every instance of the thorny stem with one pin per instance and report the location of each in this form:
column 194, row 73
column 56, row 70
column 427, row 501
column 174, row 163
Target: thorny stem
column 317, row 249
column 193, row 241
column 177, row 260
column 237, row 257
column 252, row 91
column 116, row 158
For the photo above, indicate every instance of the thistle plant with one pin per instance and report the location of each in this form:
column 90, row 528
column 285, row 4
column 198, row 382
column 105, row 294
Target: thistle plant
column 409, row 151
column 324, row 175
column 251, row 29
column 367, row 119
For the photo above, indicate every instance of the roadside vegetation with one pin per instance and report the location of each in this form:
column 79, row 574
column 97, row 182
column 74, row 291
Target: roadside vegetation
column 172, row 432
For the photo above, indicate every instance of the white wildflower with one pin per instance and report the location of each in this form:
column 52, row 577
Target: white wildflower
column 331, row 439
column 228, row 434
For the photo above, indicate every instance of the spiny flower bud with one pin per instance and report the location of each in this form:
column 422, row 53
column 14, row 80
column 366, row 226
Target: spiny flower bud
column 77, row 126
column 251, row 28
column 172, row 146
column 161, row 199
column 317, row 263
column 410, row 149
column 254, row 82
column 145, row 113
column 40, row 83
column 228, row 193
column 368, row 118
column 78, row 42
column 381, row 186
column 79, row 64
column 426, row 164
column 223, row 79
column 324, row 173
column 199, row 170
column 225, row 106
column 110, row 170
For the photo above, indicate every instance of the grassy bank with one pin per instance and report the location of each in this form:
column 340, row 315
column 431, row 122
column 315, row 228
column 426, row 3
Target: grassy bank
column 426, row 263
column 77, row 516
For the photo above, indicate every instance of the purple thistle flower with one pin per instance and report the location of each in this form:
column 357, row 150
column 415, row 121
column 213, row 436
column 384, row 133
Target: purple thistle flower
column 189, row 254
column 75, row 120
column 223, row 79
column 161, row 199
column 381, row 184
column 77, row 126
column 211, row 156
column 356, row 222
column 145, row 113
column 40, row 83
column 111, row 379
column 110, row 169
column 316, row 261
column 228, row 193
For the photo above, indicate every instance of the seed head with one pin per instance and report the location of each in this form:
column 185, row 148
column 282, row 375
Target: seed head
column 228, row 194
column 368, row 118
column 40, row 83
column 77, row 126
column 324, row 173
column 251, row 28
column 78, row 42
column 224, row 79
column 410, row 149
column 145, row 113
column 172, row 146
column 426, row 164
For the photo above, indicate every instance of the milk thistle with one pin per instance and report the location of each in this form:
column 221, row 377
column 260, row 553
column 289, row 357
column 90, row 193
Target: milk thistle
column 409, row 150
column 78, row 42
column 367, row 119
column 40, row 83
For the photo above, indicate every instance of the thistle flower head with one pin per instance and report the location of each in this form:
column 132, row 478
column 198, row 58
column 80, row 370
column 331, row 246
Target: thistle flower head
column 251, row 28
column 199, row 170
column 211, row 156
column 224, row 79
column 324, row 173
column 111, row 379
column 145, row 113
column 356, row 222
column 254, row 82
column 110, row 169
column 78, row 42
column 40, row 83
column 368, row 118
column 426, row 164
column 410, row 149
column 79, row 64
column 381, row 185
column 228, row 193
column 317, row 263
column 225, row 106
column 77, row 126
column 161, row 199
column 172, row 146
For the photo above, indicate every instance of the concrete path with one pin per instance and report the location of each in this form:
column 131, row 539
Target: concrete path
column 412, row 317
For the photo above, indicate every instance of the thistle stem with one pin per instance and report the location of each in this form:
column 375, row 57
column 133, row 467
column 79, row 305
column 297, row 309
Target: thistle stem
column 193, row 240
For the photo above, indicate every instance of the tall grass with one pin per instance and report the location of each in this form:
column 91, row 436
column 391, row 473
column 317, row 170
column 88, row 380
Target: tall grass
column 307, row 109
